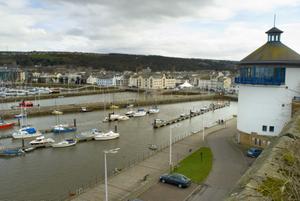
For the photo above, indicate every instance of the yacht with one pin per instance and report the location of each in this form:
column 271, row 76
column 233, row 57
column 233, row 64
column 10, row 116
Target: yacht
column 42, row 142
column 153, row 110
column 65, row 143
column 26, row 132
column 106, row 136
column 123, row 118
column 87, row 135
column 130, row 113
column 140, row 113
column 111, row 117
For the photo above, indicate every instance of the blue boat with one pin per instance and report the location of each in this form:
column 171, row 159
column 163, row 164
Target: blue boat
column 11, row 152
column 63, row 128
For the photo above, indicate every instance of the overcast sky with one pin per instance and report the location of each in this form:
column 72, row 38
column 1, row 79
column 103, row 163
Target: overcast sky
column 218, row 29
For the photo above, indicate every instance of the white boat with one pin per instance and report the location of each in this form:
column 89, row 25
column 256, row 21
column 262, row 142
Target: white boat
column 130, row 113
column 26, row 132
column 112, row 117
column 123, row 118
column 86, row 136
column 65, row 143
column 41, row 142
column 56, row 112
column 153, row 110
column 140, row 113
column 106, row 136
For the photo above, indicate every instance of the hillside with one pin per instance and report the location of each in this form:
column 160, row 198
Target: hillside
column 117, row 62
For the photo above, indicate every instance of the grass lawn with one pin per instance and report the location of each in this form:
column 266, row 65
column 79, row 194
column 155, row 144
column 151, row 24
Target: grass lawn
column 195, row 168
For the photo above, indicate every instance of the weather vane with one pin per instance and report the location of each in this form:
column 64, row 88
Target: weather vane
column 274, row 19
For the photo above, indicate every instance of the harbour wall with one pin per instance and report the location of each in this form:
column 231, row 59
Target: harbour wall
column 73, row 108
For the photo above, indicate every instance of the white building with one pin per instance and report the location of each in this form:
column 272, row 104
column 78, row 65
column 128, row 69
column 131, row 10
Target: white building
column 269, row 79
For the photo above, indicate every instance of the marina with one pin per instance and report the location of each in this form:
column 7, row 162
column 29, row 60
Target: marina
column 134, row 139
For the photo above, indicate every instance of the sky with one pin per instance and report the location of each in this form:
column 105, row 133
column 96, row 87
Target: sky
column 212, row 29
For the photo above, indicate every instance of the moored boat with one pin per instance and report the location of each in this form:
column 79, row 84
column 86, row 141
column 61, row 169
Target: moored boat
column 130, row 113
column 111, row 117
column 26, row 132
column 19, row 116
column 11, row 152
column 86, row 136
column 140, row 113
column 106, row 136
column 56, row 112
column 63, row 128
column 26, row 104
column 153, row 110
column 65, row 143
column 6, row 125
column 123, row 118
column 41, row 142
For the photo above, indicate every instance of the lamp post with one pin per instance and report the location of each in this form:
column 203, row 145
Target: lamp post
column 111, row 151
column 203, row 132
column 170, row 157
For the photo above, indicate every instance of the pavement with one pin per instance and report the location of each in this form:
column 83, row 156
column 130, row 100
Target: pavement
column 130, row 183
column 230, row 163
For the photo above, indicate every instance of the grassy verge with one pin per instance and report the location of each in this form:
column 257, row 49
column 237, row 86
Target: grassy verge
column 195, row 166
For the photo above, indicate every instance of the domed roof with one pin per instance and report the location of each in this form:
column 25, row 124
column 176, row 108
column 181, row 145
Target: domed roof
column 273, row 52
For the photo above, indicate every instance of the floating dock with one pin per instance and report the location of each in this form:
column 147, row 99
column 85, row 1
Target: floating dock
column 213, row 107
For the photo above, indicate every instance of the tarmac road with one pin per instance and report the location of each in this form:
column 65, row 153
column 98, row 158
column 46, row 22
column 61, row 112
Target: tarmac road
column 230, row 163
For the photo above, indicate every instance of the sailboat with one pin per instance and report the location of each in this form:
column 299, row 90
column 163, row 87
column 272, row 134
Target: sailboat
column 26, row 131
column 61, row 128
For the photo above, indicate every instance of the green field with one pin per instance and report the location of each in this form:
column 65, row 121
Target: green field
column 194, row 167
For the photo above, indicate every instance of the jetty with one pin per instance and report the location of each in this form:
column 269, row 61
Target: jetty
column 213, row 107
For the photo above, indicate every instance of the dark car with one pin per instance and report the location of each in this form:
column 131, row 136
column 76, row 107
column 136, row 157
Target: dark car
column 254, row 152
column 176, row 179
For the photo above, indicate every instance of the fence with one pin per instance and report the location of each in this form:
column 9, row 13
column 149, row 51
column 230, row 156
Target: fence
column 139, row 158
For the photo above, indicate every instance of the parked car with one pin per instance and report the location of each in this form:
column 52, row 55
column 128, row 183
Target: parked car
column 254, row 152
column 176, row 179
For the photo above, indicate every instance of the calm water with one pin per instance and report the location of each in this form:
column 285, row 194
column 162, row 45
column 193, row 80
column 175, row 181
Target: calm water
column 110, row 97
column 49, row 174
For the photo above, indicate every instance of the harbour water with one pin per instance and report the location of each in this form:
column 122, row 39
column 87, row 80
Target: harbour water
column 50, row 174
column 109, row 97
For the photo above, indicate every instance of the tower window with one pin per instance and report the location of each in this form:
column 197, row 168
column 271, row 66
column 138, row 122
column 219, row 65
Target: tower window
column 271, row 128
column 264, row 128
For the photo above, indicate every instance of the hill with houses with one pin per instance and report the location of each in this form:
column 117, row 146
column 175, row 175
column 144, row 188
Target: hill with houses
column 112, row 61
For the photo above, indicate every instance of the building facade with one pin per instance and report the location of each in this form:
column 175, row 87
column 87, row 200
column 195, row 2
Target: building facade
column 269, row 79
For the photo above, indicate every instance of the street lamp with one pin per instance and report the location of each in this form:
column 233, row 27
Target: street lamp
column 112, row 151
column 203, row 132
column 170, row 157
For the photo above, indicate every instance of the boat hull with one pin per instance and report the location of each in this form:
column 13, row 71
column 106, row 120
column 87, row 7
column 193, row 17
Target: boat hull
column 58, row 145
column 7, row 125
column 26, row 136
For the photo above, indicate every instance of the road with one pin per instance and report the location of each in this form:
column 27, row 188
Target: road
column 229, row 165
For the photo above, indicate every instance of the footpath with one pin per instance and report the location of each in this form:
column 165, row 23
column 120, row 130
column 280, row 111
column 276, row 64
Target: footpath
column 135, row 180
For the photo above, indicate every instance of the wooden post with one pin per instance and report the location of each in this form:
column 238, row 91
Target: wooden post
column 116, row 128
column 74, row 121
column 23, row 143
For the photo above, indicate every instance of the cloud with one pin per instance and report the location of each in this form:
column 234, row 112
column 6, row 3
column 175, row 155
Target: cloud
column 193, row 28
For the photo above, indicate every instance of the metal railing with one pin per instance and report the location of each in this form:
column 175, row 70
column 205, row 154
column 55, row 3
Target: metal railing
column 259, row 81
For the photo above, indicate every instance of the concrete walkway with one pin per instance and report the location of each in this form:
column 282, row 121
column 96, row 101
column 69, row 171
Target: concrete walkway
column 229, row 165
column 129, row 183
